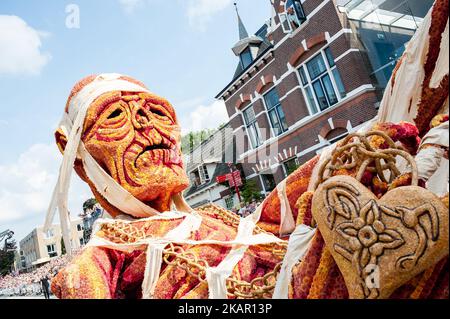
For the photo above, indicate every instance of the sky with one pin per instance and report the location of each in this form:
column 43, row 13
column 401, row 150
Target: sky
column 180, row 49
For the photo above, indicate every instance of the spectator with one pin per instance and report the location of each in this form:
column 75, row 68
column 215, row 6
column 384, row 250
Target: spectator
column 45, row 287
column 292, row 17
column 30, row 284
column 242, row 210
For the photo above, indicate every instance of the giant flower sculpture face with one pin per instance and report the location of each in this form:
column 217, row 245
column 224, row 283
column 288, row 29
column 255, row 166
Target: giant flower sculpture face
column 135, row 137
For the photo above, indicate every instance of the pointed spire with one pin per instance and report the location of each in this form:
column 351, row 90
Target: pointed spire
column 272, row 23
column 243, row 34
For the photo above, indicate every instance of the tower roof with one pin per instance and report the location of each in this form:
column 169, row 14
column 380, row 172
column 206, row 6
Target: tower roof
column 244, row 39
column 243, row 34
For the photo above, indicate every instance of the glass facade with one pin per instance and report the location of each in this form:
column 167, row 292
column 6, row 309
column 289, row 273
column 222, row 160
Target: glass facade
column 383, row 28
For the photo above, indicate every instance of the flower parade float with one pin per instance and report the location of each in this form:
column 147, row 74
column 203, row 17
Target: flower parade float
column 367, row 218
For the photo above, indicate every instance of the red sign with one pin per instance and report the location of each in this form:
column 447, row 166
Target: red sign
column 221, row 179
column 235, row 179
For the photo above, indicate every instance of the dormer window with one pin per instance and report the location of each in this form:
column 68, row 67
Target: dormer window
column 200, row 176
column 293, row 16
column 246, row 58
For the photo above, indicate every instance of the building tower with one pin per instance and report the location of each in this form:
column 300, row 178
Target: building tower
column 247, row 47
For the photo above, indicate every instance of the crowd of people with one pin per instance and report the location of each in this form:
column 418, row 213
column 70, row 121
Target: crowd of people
column 246, row 209
column 33, row 283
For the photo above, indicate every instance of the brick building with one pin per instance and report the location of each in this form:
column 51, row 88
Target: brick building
column 303, row 81
column 204, row 164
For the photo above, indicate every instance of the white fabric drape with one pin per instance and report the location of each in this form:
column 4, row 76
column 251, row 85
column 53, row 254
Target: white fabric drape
column 299, row 242
column 432, row 166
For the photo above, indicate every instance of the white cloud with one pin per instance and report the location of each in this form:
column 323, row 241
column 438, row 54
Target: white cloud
column 20, row 47
column 200, row 12
column 26, row 186
column 204, row 117
column 130, row 5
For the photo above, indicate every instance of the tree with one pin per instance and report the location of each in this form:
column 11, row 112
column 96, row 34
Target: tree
column 194, row 139
column 292, row 169
column 250, row 191
column 7, row 257
column 89, row 205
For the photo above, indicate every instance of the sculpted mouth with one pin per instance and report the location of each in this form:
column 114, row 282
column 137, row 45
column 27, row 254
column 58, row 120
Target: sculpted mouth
column 141, row 160
column 154, row 147
column 163, row 153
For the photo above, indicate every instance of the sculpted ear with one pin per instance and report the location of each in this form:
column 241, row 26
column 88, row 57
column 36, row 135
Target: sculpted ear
column 61, row 140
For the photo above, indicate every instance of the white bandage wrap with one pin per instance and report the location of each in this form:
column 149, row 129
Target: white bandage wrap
column 432, row 165
column 215, row 276
column 441, row 68
column 72, row 126
column 299, row 243
column 428, row 161
column 287, row 222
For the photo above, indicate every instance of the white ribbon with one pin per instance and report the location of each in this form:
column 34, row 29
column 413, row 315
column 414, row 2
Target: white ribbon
column 155, row 251
column 152, row 269
column 298, row 245
column 287, row 222
column 441, row 68
column 217, row 276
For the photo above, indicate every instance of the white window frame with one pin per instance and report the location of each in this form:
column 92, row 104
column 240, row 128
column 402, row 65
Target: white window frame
column 284, row 19
column 251, row 55
column 192, row 173
column 261, row 177
column 329, row 71
column 256, row 125
column 204, row 174
column 266, row 109
column 52, row 250
column 201, row 173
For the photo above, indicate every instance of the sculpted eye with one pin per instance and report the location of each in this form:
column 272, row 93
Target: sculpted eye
column 115, row 114
column 158, row 112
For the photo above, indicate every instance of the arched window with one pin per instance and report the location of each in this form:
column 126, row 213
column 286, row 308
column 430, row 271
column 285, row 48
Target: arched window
column 335, row 135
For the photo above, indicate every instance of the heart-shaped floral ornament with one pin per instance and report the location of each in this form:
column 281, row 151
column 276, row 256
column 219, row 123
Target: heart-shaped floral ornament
column 380, row 244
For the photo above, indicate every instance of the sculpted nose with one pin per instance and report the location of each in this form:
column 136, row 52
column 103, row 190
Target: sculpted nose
column 141, row 119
